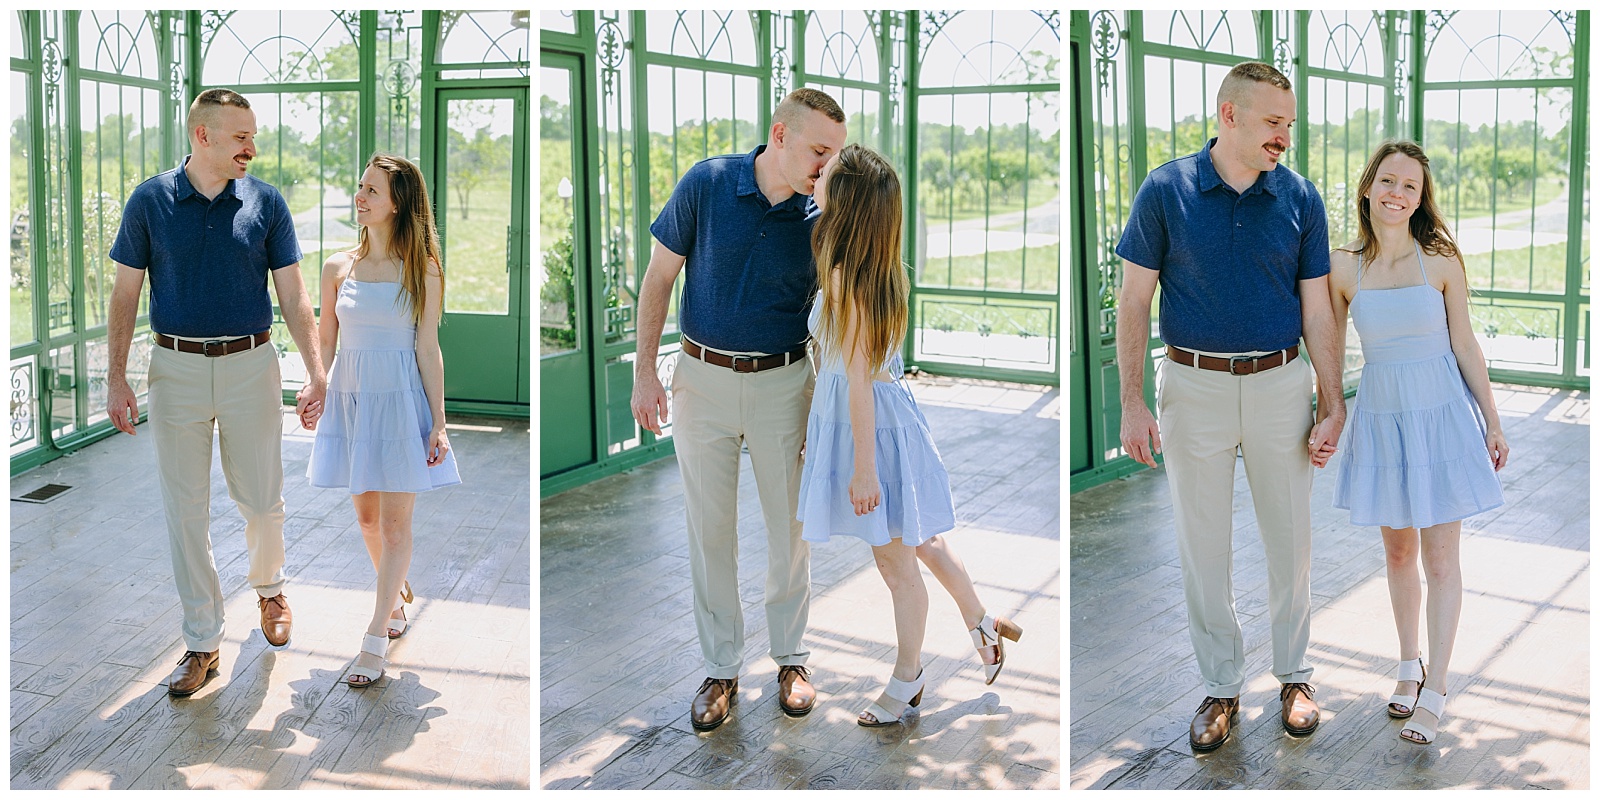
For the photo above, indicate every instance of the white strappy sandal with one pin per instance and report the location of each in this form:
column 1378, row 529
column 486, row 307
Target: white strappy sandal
column 1409, row 671
column 901, row 695
column 372, row 645
column 397, row 628
column 1432, row 702
column 989, row 634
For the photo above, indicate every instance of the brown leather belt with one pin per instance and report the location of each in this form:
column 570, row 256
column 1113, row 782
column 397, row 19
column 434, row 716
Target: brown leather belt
column 743, row 363
column 215, row 347
column 1237, row 365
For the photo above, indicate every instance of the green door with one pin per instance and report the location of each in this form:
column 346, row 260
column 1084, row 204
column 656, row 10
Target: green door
column 480, row 197
column 566, row 366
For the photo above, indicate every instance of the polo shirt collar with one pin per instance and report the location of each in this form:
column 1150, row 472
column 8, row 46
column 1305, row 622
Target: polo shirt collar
column 182, row 188
column 1209, row 179
column 748, row 186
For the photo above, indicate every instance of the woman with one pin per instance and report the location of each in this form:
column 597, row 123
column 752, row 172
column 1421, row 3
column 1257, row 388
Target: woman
column 383, row 433
column 1414, row 446
column 871, row 468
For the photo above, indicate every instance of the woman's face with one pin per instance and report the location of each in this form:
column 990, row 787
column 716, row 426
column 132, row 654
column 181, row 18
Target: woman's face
column 374, row 204
column 1396, row 190
column 819, row 193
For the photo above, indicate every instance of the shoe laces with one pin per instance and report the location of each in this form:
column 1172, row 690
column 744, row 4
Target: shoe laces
column 805, row 672
column 194, row 653
column 727, row 683
column 1305, row 688
column 1221, row 702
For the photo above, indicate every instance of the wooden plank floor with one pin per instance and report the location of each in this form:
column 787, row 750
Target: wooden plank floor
column 95, row 630
column 1518, row 715
column 619, row 659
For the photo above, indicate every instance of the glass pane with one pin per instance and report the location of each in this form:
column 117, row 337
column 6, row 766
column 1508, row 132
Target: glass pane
column 983, row 48
column 18, row 223
column 558, row 301
column 725, row 36
column 121, row 140
column 399, row 70
column 476, row 204
column 1214, row 31
column 558, row 21
column 63, row 392
column 987, row 333
column 120, row 42
column 19, row 46
column 483, row 37
column 1348, row 41
column 280, row 47
column 1496, row 45
column 24, row 403
column 842, row 44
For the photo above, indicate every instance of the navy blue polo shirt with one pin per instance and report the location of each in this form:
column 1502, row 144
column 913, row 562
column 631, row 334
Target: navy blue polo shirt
column 207, row 259
column 1230, row 263
column 748, row 271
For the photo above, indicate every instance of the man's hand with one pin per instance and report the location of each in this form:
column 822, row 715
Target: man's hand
column 1324, row 439
column 649, row 400
column 1141, row 437
column 122, row 405
column 308, row 403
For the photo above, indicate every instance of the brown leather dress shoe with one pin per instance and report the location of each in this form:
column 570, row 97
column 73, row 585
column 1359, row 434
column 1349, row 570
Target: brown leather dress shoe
column 712, row 701
column 1213, row 723
column 193, row 670
column 1300, row 712
column 795, row 695
column 275, row 619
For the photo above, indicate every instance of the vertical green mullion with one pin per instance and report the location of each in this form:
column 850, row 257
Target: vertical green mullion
column 431, row 148
column 1027, row 173
column 1533, row 193
column 1391, row 59
column 33, row 27
column 1302, row 87
column 1572, row 297
column 1419, row 73
column 369, row 97
column 1138, row 159
column 988, row 169
column 641, row 143
column 73, row 120
column 913, row 164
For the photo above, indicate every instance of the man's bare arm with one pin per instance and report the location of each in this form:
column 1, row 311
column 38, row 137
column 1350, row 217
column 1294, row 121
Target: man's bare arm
column 1141, row 438
column 1324, row 346
column 121, row 403
column 301, row 321
column 655, row 294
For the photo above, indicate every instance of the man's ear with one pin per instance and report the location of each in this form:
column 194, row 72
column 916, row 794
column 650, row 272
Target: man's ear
column 779, row 132
column 1225, row 112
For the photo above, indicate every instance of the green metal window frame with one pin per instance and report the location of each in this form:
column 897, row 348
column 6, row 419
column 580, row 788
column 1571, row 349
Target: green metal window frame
column 1109, row 51
column 614, row 49
column 53, row 71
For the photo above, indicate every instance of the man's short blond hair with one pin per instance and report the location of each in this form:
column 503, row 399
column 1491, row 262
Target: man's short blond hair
column 203, row 111
column 1246, row 75
column 791, row 112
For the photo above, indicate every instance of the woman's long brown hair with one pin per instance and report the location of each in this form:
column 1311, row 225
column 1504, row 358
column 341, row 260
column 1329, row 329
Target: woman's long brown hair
column 415, row 240
column 1427, row 224
column 859, row 234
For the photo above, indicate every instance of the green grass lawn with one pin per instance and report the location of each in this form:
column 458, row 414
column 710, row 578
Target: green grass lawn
column 1512, row 271
column 21, row 316
column 1005, row 271
column 932, row 202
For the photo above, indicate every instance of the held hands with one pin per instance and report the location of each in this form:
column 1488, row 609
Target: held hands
column 1498, row 449
column 438, row 446
column 308, row 403
column 1324, row 438
column 122, row 405
column 649, row 400
column 1141, row 437
column 864, row 492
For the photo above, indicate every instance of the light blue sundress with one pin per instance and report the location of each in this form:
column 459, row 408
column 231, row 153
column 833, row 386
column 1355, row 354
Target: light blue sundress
column 373, row 435
column 916, row 505
column 1414, row 452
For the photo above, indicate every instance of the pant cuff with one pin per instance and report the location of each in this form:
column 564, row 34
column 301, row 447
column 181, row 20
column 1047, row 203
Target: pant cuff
column 205, row 646
column 1301, row 676
column 271, row 590
column 1223, row 690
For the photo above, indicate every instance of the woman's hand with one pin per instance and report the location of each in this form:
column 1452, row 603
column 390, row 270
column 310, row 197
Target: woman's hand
column 1498, row 449
column 438, row 446
column 864, row 492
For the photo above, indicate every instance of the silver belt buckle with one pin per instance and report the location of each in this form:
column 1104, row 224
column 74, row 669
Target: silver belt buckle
column 751, row 360
column 222, row 348
column 1234, row 361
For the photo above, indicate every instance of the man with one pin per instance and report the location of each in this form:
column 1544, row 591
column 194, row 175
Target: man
column 1239, row 246
column 208, row 234
column 738, row 225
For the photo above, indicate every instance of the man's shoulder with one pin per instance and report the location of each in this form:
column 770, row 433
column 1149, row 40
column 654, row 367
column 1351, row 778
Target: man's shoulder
column 716, row 168
column 1294, row 185
column 252, row 184
column 1174, row 175
column 154, row 188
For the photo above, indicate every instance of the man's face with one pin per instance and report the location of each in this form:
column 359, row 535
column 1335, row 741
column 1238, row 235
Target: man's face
column 806, row 149
column 1261, row 123
column 229, row 142
column 819, row 194
column 1396, row 190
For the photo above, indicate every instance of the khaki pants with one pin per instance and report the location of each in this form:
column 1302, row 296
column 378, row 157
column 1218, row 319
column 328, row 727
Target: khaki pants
column 1204, row 416
column 239, row 397
column 714, row 410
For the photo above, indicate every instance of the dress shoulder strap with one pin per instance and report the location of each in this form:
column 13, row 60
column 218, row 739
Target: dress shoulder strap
column 1358, row 271
column 1424, row 270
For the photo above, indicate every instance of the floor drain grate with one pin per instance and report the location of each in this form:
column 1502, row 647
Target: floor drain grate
column 45, row 493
